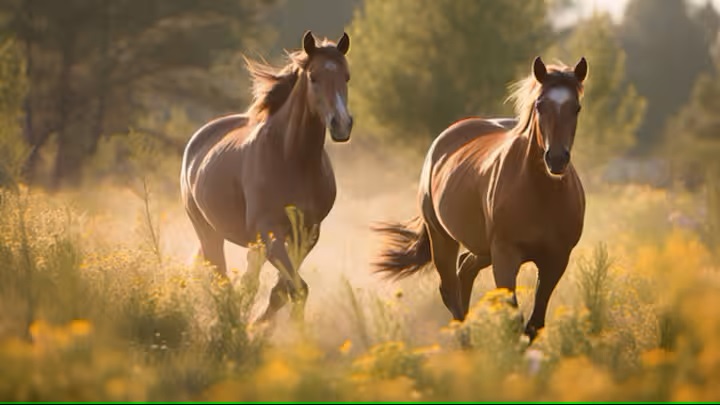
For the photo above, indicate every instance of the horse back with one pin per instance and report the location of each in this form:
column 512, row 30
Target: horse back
column 467, row 142
column 205, row 138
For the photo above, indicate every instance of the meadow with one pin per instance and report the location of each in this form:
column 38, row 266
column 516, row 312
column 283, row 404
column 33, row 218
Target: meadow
column 101, row 301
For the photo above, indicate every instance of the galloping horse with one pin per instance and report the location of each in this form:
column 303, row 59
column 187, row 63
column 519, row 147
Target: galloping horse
column 240, row 172
column 507, row 194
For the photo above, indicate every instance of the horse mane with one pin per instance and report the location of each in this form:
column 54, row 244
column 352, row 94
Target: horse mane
column 271, row 86
column 524, row 92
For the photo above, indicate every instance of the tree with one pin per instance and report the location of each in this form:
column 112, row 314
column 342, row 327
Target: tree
column 326, row 18
column 92, row 66
column 693, row 143
column 612, row 109
column 13, row 87
column 666, row 52
column 709, row 21
column 418, row 65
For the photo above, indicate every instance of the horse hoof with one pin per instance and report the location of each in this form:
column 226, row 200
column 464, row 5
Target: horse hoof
column 531, row 332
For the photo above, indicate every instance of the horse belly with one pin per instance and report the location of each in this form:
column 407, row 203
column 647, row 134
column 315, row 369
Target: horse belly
column 223, row 208
column 462, row 215
column 316, row 205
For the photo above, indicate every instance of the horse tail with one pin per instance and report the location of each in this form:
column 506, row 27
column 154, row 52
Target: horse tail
column 407, row 250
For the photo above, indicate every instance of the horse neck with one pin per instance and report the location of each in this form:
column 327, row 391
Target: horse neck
column 302, row 131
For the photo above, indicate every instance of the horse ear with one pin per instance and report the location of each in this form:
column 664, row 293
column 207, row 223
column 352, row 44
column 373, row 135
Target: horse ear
column 539, row 70
column 344, row 43
column 308, row 42
column 581, row 70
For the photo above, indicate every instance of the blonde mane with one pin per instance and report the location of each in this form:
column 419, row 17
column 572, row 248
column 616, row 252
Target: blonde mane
column 271, row 86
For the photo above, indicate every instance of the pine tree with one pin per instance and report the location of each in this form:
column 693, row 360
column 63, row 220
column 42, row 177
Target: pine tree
column 418, row 65
column 91, row 66
column 666, row 52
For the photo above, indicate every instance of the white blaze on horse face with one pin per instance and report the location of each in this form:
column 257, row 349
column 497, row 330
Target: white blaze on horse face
column 559, row 96
column 331, row 66
column 341, row 111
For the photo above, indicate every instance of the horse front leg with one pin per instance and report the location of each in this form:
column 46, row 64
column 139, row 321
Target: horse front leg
column 550, row 269
column 290, row 286
column 506, row 261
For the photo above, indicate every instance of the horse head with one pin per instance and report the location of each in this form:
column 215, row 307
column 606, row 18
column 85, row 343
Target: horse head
column 327, row 73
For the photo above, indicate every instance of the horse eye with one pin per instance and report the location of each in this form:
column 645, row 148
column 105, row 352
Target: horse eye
column 579, row 108
column 347, row 78
column 313, row 79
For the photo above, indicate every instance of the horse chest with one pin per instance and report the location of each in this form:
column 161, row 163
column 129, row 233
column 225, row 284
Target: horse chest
column 539, row 222
column 313, row 195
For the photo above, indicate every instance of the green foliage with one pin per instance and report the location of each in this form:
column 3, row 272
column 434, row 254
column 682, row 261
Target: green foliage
column 326, row 18
column 593, row 284
column 612, row 109
column 666, row 51
column 418, row 65
column 152, row 151
column 692, row 142
column 92, row 66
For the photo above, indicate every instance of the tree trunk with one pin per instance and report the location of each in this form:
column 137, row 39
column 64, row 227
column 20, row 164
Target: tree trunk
column 98, row 126
column 66, row 165
column 28, row 170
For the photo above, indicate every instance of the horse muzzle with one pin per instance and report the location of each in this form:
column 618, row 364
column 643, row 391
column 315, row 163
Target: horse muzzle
column 557, row 162
column 340, row 132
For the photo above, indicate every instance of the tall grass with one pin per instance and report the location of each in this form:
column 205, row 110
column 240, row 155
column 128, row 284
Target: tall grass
column 136, row 310
column 89, row 317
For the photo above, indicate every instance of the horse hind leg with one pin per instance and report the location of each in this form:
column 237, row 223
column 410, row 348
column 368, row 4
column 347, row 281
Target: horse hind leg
column 213, row 250
column 469, row 266
column 212, row 245
column 444, row 253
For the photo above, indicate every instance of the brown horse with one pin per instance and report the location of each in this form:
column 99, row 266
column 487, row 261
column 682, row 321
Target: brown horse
column 241, row 172
column 507, row 193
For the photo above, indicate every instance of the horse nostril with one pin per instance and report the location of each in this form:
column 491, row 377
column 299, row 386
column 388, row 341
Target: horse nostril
column 566, row 155
column 351, row 121
column 333, row 123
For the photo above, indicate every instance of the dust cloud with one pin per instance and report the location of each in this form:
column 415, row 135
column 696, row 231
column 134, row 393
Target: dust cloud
column 374, row 184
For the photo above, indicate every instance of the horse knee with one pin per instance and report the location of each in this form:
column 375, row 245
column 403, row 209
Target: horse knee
column 298, row 292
